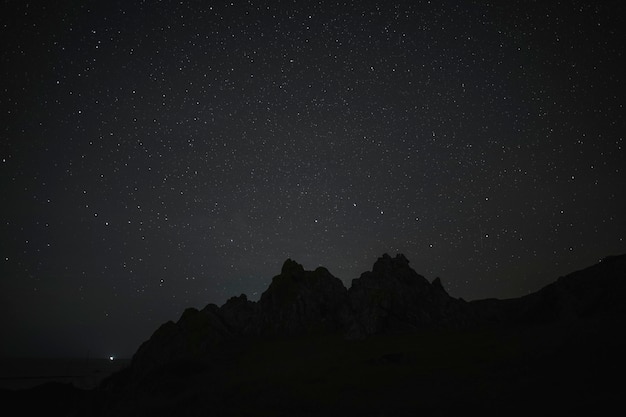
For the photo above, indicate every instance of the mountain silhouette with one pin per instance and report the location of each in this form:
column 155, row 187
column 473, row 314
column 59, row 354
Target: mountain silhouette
column 391, row 344
column 392, row 298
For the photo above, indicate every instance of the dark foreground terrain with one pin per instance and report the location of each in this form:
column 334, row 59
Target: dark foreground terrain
column 556, row 352
column 84, row 373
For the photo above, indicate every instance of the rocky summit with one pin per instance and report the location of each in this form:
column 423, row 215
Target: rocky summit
column 393, row 297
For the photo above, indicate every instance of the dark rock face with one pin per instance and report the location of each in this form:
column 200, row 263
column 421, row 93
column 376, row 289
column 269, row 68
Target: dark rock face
column 299, row 301
column 393, row 297
column 238, row 313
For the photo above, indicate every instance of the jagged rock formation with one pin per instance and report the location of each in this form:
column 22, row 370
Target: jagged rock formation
column 390, row 298
column 395, row 297
column 299, row 301
column 239, row 313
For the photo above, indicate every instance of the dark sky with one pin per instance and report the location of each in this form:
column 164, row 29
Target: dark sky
column 159, row 155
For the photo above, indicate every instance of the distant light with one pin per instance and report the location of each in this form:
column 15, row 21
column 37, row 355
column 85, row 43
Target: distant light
column 111, row 358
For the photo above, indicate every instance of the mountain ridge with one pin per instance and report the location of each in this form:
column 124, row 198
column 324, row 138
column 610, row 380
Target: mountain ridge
column 391, row 298
column 392, row 344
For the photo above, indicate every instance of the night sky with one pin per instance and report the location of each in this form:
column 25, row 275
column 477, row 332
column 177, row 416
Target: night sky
column 161, row 155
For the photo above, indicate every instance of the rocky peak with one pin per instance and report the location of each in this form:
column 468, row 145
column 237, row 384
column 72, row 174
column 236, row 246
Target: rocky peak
column 438, row 286
column 387, row 263
column 291, row 267
column 395, row 297
column 238, row 314
column 392, row 273
column 298, row 301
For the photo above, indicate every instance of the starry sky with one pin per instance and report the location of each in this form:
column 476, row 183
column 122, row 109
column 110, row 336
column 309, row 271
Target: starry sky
column 157, row 155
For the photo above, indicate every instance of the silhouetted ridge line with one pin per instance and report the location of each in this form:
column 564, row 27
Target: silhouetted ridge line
column 390, row 298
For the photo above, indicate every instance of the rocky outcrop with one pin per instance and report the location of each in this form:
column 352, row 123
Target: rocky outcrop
column 239, row 314
column 299, row 302
column 393, row 297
